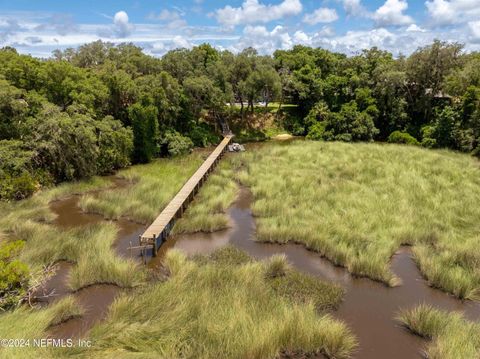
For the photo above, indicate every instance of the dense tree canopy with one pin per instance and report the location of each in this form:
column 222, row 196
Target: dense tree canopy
column 102, row 106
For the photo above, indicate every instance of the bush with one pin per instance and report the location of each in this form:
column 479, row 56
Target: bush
column 428, row 139
column 145, row 131
column 19, row 187
column 402, row 137
column 350, row 124
column 16, row 178
column 292, row 121
column 13, row 275
column 203, row 135
column 115, row 145
column 174, row 144
column 317, row 131
column 444, row 131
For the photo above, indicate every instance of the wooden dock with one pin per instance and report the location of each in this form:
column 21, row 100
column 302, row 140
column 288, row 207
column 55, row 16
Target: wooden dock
column 159, row 230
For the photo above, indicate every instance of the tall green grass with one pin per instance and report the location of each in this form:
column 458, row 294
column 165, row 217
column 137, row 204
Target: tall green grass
column 207, row 212
column 452, row 337
column 29, row 324
column 152, row 186
column 357, row 203
column 88, row 247
column 215, row 309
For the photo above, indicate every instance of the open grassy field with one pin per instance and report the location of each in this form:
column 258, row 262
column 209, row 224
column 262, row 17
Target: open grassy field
column 222, row 307
column 452, row 337
column 357, row 203
column 152, row 186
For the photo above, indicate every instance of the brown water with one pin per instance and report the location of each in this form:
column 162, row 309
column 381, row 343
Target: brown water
column 369, row 307
column 95, row 299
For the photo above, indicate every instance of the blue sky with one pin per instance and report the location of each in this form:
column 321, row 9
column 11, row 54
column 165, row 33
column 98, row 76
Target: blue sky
column 400, row 26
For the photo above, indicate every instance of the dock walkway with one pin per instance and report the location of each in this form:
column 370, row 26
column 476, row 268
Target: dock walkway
column 159, row 230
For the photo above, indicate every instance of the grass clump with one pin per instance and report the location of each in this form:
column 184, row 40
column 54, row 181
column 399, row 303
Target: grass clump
column 228, row 255
column 453, row 337
column 153, row 185
column 34, row 323
column 357, row 203
column 207, row 212
column 300, row 287
column 88, row 247
column 215, row 310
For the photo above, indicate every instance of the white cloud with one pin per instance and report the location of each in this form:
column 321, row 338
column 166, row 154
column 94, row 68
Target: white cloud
column 26, row 34
column 8, row 27
column 251, row 12
column 62, row 24
column 263, row 40
column 448, row 12
column 122, row 27
column 164, row 15
column 300, row 37
column 415, row 28
column 172, row 19
column 354, row 7
column 321, row 15
column 391, row 14
column 474, row 27
column 181, row 42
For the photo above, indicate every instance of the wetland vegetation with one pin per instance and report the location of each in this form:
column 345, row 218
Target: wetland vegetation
column 103, row 109
column 451, row 335
column 357, row 203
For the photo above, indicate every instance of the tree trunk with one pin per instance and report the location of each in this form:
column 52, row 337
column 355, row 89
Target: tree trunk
column 277, row 114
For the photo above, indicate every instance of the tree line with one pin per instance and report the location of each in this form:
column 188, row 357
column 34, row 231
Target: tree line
column 101, row 107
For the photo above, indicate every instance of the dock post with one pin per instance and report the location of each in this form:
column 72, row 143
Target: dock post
column 154, row 245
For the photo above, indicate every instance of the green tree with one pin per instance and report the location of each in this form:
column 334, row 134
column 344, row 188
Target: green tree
column 427, row 69
column 143, row 117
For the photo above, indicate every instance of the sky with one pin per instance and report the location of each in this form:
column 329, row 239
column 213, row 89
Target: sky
column 399, row 26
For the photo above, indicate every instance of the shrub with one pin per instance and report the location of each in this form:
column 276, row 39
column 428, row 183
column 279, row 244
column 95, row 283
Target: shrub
column 115, row 145
column 145, row 131
column 174, row 144
column 203, row 135
column 13, row 275
column 402, row 137
column 444, row 131
column 428, row 140
column 17, row 187
column 350, row 124
column 16, row 178
column 317, row 131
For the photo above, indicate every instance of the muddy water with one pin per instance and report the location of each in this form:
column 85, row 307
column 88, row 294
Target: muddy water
column 95, row 299
column 369, row 307
column 70, row 215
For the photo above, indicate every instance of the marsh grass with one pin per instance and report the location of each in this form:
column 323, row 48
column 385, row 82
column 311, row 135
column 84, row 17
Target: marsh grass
column 214, row 309
column 207, row 212
column 28, row 323
column 452, row 336
column 152, row 186
column 300, row 287
column 88, row 247
column 357, row 203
